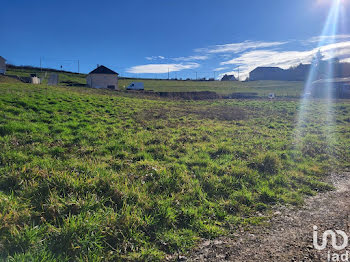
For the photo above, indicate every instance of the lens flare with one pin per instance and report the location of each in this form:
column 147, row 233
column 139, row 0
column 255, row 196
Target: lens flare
column 323, row 106
column 331, row 2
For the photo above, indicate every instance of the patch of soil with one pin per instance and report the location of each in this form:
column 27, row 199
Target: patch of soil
column 72, row 83
column 214, row 112
column 205, row 95
column 196, row 95
column 289, row 234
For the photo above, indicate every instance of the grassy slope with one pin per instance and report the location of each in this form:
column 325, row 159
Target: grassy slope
column 260, row 87
column 6, row 79
column 281, row 88
column 93, row 175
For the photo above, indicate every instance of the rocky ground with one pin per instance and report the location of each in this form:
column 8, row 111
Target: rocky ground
column 288, row 235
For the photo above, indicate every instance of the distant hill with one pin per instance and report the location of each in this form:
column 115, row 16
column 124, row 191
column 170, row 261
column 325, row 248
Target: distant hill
column 37, row 69
column 263, row 88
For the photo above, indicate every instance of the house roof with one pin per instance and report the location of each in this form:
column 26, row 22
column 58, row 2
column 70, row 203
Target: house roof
column 1, row 58
column 228, row 78
column 103, row 70
column 267, row 68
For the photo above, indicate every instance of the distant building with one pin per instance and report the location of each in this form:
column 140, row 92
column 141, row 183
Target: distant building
column 228, row 78
column 53, row 79
column 136, row 86
column 301, row 72
column 2, row 65
column 334, row 87
column 297, row 73
column 102, row 77
column 266, row 73
column 35, row 80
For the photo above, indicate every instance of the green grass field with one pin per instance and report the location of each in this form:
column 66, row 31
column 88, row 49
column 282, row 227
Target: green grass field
column 97, row 175
column 263, row 88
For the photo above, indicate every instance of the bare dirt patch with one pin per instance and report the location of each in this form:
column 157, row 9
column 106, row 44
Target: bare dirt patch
column 289, row 234
column 215, row 112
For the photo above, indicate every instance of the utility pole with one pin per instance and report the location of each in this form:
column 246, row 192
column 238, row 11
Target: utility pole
column 196, row 76
column 40, row 65
column 214, row 75
column 168, row 74
column 78, row 66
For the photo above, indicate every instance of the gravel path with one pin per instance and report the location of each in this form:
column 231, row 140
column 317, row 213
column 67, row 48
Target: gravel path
column 289, row 233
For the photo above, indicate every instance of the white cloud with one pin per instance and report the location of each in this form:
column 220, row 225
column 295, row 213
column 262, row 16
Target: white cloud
column 251, row 54
column 225, row 56
column 248, row 61
column 161, row 68
column 346, row 60
column 220, row 69
column 191, row 58
column 239, row 47
column 325, row 3
column 151, row 58
column 340, row 50
column 327, row 38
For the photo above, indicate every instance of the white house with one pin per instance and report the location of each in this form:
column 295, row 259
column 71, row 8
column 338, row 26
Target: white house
column 136, row 86
column 102, row 77
column 35, row 79
column 2, row 65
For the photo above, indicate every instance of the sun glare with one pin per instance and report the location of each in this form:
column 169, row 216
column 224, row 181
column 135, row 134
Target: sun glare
column 331, row 2
column 330, row 29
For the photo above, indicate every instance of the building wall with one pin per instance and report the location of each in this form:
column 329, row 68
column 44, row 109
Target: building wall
column 102, row 81
column 36, row 80
column 267, row 73
column 2, row 66
column 345, row 92
column 338, row 90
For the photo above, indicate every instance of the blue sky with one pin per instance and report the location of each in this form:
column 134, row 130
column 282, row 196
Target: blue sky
column 146, row 38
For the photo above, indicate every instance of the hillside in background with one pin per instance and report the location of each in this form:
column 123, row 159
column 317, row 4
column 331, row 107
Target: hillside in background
column 262, row 88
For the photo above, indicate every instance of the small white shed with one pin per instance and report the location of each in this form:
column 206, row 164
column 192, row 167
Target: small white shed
column 35, row 79
column 2, row 65
column 136, row 86
column 102, row 77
